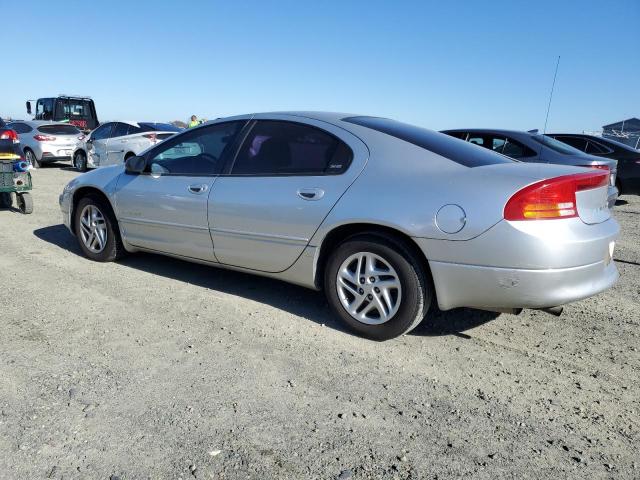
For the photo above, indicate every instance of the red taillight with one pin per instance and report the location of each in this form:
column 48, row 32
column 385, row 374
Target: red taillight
column 9, row 135
column 44, row 138
column 553, row 198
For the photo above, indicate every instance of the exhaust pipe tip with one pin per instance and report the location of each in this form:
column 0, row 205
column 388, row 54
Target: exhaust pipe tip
column 555, row 311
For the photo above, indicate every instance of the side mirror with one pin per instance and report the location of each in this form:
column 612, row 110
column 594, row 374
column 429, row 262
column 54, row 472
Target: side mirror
column 135, row 164
column 29, row 108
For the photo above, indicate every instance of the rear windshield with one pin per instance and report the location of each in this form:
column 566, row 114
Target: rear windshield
column 557, row 145
column 455, row 150
column 59, row 130
column 158, row 127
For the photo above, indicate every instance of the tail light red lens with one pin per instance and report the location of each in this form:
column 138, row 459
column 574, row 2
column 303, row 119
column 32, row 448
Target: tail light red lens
column 553, row 198
column 44, row 138
column 9, row 135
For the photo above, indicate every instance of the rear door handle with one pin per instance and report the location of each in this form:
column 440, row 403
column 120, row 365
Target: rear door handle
column 198, row 189
column 310, row 193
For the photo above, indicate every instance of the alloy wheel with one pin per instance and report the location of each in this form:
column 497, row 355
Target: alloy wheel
column 93, row 228
column 369, row 288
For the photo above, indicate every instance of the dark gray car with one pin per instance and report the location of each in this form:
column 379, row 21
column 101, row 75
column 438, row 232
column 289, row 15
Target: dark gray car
column 534, row 147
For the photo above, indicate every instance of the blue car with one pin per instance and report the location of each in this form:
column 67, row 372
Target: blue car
column 534, row 147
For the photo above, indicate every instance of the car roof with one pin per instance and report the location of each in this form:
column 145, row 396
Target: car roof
column 39, row 123
column 499, row 131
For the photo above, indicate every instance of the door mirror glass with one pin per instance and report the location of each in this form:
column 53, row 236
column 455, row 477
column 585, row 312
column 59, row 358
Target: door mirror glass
column 29, row 108
column 135, row 164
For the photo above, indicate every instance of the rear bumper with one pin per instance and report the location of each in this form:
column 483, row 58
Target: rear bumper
column 612, row 196
column 487, row 287
column 524, row 264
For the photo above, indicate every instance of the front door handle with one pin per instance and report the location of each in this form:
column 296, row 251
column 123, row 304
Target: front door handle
column 310, row 193
column 198, row 189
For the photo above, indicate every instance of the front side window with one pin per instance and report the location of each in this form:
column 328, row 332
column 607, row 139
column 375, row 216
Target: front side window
column 102, row 132
column 287, row 148
column 199, row 152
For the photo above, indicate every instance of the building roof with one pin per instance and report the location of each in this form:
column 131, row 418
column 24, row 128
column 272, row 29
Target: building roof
column 630, row 123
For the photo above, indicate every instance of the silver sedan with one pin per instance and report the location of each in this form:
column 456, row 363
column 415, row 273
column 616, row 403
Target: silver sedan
column 387, row 218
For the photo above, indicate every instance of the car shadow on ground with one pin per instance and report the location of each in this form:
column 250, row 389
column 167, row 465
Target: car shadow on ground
column 296, row 300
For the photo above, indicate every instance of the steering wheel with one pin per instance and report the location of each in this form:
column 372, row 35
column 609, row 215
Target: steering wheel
column 209, row 158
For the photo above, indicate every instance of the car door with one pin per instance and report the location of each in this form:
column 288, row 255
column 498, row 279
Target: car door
column 165, row 208
column 97, row 143
column 286, row 177
column 116, row 144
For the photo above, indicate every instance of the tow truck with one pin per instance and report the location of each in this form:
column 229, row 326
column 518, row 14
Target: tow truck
column 77, row 110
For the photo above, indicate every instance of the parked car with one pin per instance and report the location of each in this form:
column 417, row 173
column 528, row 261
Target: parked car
column 113, row 142
column 388, row 218
column 628, row 177
column 8, row 138
column 533, row 147
column 46, row 142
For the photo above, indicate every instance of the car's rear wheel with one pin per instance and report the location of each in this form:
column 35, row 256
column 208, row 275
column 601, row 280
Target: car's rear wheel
column 97, row 230
column 377, row 286
column 80, row 161
column 31, row 158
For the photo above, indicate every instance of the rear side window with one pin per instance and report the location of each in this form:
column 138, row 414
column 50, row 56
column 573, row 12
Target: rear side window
column 596, row 148
column 59, row 130
column 289, row 148
column 20, row 127
column 455, row 150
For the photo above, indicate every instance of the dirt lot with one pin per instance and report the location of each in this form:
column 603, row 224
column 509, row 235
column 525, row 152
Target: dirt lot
column 157, row 368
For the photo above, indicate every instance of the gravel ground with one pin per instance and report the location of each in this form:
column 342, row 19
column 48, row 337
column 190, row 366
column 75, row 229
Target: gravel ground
column 157, row 368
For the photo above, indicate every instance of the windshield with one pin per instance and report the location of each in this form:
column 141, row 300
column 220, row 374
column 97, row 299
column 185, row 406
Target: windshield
column 557, row 145
column 158, row 127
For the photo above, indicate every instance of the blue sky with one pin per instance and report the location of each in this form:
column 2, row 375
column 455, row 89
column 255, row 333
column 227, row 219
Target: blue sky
column 433, row 63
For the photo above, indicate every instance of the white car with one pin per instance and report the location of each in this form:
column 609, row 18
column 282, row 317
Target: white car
column 46, row 142
column 113, row 142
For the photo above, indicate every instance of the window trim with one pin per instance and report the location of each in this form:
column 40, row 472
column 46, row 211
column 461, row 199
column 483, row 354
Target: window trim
column 254, row 122
column 173, row 141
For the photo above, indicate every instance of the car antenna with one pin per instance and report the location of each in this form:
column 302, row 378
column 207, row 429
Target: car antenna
column 544, row 132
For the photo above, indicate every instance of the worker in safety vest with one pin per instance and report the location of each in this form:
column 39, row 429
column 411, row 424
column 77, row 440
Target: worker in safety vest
column 194, row 121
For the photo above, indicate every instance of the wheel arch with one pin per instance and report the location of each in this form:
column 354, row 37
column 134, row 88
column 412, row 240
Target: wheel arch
column 81, row 193
column 129, row 154
column 342, row 232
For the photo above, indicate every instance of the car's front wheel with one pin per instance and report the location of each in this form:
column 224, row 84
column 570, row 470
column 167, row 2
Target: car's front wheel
column 377, row 285
column 97, row 230
column 80, row 161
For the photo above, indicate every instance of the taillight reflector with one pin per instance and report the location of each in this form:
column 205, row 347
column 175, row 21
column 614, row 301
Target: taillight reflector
column 552, row 198
column 9, row 135
column 44, row 138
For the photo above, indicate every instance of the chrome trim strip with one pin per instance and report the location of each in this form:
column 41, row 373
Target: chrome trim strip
column 140, row 221
column 267, row 236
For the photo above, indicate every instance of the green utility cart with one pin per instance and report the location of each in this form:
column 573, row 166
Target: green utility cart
column 15, row 178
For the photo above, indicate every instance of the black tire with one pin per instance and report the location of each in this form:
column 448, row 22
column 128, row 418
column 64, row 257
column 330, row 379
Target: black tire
column 113, row 248
column 32, row 159
column 25, row 203
column 415, row 284
column 5, row 200
column 619, row 186
column 80, row 161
